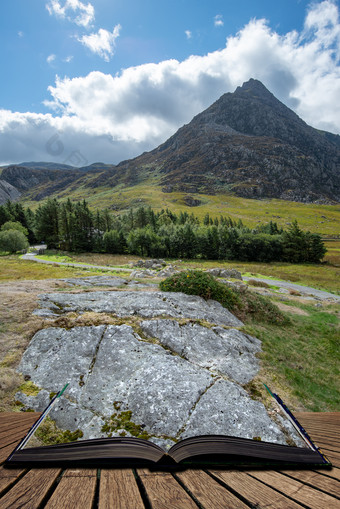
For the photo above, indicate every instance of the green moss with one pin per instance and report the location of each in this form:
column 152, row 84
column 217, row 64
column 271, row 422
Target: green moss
column 50, row 434
column 29, row 388
column 122, row 421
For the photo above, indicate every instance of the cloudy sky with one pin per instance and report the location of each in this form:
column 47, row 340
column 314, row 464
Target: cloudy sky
column 104, row 80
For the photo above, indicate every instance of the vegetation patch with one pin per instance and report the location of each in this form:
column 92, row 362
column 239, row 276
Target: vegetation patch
column 246, row 305
column 121, row 422
column 260, row 284
column 49, row 434
column 196, row 282
column 29, row 388
column 303, row 357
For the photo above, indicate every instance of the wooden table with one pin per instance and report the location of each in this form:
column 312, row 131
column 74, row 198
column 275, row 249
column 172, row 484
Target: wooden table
column 141, row 488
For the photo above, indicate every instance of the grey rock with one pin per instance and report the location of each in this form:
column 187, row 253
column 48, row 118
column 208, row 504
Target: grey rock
column 157, row 387
column 144, row 304
column 150, row 264
column 114, row 368
column 96, row 281
column 56, row 356
column 227, row 352
column 8, row 192
column 225, row 273
column 143, row 273
column 226, row 408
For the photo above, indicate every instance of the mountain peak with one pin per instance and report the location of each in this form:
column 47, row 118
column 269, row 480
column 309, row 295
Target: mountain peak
column 252, row 85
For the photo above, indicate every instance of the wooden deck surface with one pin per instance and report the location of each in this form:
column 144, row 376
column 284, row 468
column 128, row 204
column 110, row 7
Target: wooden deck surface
column 190, row 489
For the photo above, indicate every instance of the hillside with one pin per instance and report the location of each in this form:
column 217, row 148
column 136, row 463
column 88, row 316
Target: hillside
column 247, row 143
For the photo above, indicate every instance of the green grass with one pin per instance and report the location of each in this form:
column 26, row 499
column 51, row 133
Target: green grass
column 13, row 268
column 54, row 258
column 323, row 276
column 322, row 219
column 303, row 357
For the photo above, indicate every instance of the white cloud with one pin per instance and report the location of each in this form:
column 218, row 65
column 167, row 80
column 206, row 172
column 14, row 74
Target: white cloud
column 110, row 118
column 51, row 58
column 68, row 59
column 218, row 20
column 82, row 14
column 188, row 33
column 102, row 43
column 21, row 34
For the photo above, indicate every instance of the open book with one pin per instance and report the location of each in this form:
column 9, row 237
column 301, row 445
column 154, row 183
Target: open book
column 194, row 451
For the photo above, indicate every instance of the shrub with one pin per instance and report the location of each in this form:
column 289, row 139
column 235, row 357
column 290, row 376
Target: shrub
column 196, row 282
column 260, row 284
column 12, row 241
column 260, row 309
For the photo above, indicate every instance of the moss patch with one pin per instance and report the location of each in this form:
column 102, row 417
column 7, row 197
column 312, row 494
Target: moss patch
column 49, row 434
column 29, row 388
column 121, row 422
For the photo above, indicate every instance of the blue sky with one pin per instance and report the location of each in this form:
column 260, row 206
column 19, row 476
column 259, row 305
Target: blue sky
column 84, row 81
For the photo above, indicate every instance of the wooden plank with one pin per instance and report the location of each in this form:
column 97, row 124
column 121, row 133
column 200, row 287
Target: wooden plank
column 164, row 492
column 333, row 457
column 8, row 476
column 31, row 489
column 76, row 489
column 10, row 438
column 16, row 425
column 118, row 489
column 324, row 483
column 298, row 491
column 208, row 492
column 317, row 415
column 6, row 451
column 80, row 472
column 13, row 418
column 333, row 472
column 254, row 491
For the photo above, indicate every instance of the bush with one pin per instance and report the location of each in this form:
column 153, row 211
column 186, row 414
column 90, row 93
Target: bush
column 260, row 284
column 195, row 282
column 12, row 241
column 260, row 309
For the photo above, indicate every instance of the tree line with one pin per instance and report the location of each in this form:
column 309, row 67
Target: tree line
column 74, row 227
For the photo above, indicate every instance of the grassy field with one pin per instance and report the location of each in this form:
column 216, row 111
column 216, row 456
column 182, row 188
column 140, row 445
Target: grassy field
column 300, row 358
column 322, row 219
column 13, row 268
column 324, row 276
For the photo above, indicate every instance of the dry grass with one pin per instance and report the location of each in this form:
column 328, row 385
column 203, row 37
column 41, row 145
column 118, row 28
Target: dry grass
column 109, row 260
column 18, row 325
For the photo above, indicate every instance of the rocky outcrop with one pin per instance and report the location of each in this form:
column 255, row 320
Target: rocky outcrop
column 135, row 303
column 225, row 273
column 178, row 373
column 8, row 192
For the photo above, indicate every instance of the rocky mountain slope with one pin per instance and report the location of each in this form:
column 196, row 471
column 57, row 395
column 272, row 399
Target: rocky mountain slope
column 247, row 142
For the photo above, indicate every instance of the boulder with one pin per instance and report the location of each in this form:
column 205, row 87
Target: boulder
column 225, row 273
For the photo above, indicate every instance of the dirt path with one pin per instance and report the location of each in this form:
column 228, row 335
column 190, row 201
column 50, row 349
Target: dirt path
column 304, row 290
